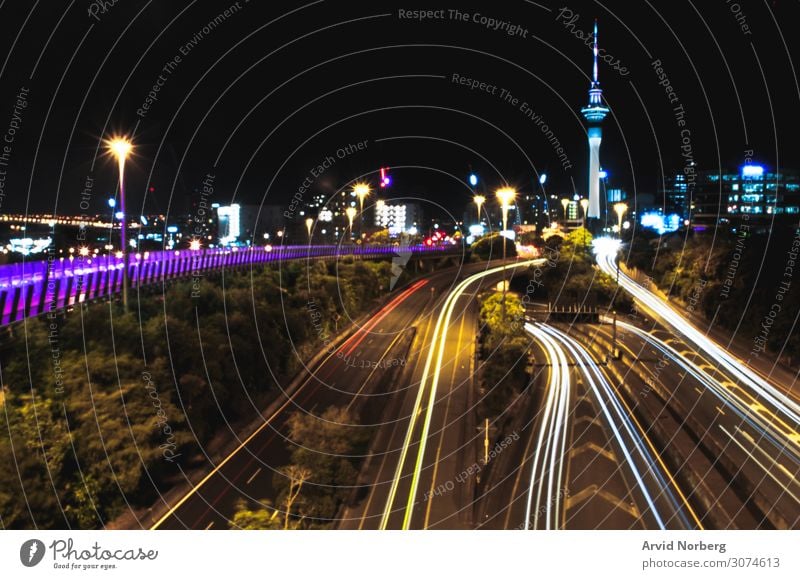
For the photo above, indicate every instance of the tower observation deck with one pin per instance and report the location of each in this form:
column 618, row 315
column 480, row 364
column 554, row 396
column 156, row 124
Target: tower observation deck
column 594, row 113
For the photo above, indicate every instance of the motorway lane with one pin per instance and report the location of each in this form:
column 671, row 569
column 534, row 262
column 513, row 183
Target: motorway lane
column 729, row 442
column 774, row 398
column 587, row 472
column 248, row 472
column 451, row 449
column 659, row 495
column 437, row 439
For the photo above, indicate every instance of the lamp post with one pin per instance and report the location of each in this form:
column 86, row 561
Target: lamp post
column 362, row 191
column 479, row 201
column 545, row 203
column 505, row 196
column 620, row 209
column 121, row 148
column 565, row 204
column 309, row 225
column 351, row 213
column 585, row 207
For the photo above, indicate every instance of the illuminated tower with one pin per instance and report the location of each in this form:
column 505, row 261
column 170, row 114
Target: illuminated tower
column 594, row 113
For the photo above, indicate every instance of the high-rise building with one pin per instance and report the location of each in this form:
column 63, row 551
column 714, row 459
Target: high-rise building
column 229, row 224
column 719, row 196
column 594, row 113
column 397, row 217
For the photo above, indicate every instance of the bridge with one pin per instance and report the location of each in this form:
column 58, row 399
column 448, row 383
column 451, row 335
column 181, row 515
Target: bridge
column 32, row 288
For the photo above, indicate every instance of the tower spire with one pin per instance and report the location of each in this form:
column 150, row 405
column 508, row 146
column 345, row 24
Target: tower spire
column 595, row 50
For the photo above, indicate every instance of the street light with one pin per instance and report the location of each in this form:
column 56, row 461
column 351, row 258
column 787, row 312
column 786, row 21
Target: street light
column 361, row 190
column 479, row 201
column 351, row 213
column 585, row 207
column 309, row 224
column 121, row 147
column 505, row 196
column 620, row 209
column 565, row 204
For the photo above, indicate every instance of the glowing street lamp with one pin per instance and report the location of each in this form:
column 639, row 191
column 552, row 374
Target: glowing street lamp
column 505, row 196
column 479, row 201
column 620, row 209
column 565, row 204
column 362, row 191
column 309, row 225
column 351, row 213
column 194, row 245
column 585, row 207
column 120, row 148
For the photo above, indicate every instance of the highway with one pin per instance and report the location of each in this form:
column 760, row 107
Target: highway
column 606, row 251
column 426, row 478
column 724, row 443
column 587, row 463
column 663, row 438
column 751, row 424
column 354, row 375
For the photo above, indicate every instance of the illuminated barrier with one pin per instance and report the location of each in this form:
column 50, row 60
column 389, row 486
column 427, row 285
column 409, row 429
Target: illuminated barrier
column 33, row 288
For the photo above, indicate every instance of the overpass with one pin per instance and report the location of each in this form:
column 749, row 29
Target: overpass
column 32, row 288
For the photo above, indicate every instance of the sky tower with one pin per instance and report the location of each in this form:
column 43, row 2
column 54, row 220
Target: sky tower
column 594, row 113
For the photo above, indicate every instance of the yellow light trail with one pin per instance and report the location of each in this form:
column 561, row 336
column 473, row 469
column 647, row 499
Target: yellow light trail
column 437, row 353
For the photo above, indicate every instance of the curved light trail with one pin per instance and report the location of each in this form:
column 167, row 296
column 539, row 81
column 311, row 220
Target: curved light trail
column 606, row 250
column 766, row 424
column 632, row 441
column 551, row 441
column 429, row 383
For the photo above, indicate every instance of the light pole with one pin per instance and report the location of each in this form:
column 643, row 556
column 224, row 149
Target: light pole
column 479, row 201
column 565, row 204
column 585, row 207
column 309, row 225
column 351, row 213
column 361, row 190
column 620, row 209
column 505, row 196
column 121, row 147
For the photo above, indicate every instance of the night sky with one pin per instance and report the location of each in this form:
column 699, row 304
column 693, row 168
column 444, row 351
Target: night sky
column 261, row 96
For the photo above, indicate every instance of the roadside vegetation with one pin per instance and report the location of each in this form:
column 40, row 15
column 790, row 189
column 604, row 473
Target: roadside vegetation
column 745, row 282
column 325, row 454
column 101, row 408
column 502, row 352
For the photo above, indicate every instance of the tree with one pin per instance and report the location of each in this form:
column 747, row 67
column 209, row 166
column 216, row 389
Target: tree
column 380, row 237
column 492, row 314
column 258, row 519
column 326, row 448
column 491, row 247
column 296, row 475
